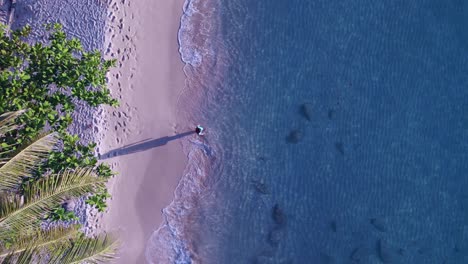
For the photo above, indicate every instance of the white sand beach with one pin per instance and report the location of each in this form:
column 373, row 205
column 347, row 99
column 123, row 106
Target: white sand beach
column 143, row 37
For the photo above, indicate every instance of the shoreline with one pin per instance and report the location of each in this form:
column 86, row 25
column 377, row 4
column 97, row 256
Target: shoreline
column 201, row 49
column 147, row 80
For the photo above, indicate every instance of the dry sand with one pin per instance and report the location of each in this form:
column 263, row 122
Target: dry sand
column 142, row 35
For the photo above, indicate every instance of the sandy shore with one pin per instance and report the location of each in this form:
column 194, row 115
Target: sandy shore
column 142, row 35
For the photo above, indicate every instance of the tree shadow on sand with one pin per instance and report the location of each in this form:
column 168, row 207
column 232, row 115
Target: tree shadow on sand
column 142, row 145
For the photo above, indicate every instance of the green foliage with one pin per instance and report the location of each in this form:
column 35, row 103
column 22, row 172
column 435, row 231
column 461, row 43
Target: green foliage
column 46, row 78
column 57, row 237
column 98, row 200
column 19, row 214
column 63, row 245
column 104, row 170
column 60, row 214
column 21, row 238
column 39, row 83
column 25, row 161
column 88, row 250
column 72, row 155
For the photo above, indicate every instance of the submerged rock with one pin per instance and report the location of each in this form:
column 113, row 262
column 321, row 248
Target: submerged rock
column 333, row 226
column 260, row 187
column 294, row 136
column 360, row 254
column 278, row 215
column 275, row 236
column 378, row 224
column 326, row 259
column 264, row 256
column 401, row 251
column 385, row 253
column 306, row 110
column 340, row 147
column 261, row 260
column 331, row 114
column 424, row 250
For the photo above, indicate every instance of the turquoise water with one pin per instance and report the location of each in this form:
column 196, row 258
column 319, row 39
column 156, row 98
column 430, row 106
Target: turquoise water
column 377, row 173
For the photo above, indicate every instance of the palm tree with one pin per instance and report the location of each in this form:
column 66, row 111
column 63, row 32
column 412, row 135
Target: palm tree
column 23, row 207
column 65, row 247
column 44, row 239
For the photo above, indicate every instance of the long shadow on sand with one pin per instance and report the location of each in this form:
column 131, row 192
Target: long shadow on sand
column 142, row 145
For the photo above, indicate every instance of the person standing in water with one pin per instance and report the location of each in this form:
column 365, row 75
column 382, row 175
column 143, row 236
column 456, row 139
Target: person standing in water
column 199, row 130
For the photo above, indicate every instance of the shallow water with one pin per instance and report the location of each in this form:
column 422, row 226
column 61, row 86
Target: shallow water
column 378, row 172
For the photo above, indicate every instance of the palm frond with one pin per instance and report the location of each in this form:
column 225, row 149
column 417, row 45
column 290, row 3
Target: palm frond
column 43, row 195
column 26, row 143
column 30, row 255
column 55, row 238
column 89, row 250
column 26, row 161
column 3, row 160
column 7, row 121
column 8, row 204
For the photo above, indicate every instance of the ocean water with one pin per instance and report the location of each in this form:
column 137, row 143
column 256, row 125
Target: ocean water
column 378, row 170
